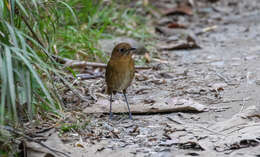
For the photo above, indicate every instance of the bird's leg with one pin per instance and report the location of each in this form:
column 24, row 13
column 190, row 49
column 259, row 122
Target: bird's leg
column 110, row 110
column 130, row 114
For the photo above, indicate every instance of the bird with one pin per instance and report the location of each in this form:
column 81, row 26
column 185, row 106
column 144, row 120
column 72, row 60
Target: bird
column 120, row 72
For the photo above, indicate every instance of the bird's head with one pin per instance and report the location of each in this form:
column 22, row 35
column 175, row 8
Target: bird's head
column 123, row 50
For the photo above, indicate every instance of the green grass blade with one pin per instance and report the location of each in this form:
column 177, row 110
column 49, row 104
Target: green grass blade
column 22, row 8
column 1, row 9
column 28, row 92
column 12, row 4
column 34, row 73
column 35, row 5
column 12, row 33
column 22, row 41
column 11, row 84
column 71, row 10
column 3, row 89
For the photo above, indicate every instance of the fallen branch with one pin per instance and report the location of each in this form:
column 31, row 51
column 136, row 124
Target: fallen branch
column 88, row 76
column 77, row 64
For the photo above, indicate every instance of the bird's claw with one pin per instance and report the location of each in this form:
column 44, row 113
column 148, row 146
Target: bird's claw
column 130, row 116
column 110, row 115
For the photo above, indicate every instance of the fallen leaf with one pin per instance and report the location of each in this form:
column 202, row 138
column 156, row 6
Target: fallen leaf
column 190, row 43
column 142, row 91
column 140, row 77
column 168, row 143
column 216, row 87
column 176, row 25
column 190, row 145
column 147, row 57
column 183, row 9
column 207, row 29
column 100, row 149
column 158, row 81
column 79, row 144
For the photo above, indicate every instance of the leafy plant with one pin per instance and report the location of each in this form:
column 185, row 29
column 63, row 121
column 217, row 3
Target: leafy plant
column 97, row 20
column 25, row 53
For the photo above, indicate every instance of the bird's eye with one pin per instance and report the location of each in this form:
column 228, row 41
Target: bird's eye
column 122, row 50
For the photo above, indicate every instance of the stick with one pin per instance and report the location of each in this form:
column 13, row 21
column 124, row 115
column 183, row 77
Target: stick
column 88, row 76
column 77, row 64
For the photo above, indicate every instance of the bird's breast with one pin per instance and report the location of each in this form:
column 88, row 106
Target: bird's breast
column 119, row 74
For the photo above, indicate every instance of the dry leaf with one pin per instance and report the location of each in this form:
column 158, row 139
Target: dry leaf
column 183, row 9
column 147, row 57
column 190, row 43
column 176, row 25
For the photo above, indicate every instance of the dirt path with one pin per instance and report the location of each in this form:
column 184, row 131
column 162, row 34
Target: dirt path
column 224, row 75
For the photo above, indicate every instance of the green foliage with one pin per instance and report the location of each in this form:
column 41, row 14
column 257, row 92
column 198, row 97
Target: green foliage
column 97, row 19
column 66, row 127
column 73, row 126
column 31, row 31
column 22, row 58
column 6, row 144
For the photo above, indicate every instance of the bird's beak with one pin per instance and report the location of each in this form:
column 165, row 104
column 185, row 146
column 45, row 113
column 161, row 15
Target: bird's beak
column 131, row 50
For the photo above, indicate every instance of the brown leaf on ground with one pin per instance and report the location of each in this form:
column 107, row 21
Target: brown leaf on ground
column 218, row 87
column 190, row 43
column 183, row 9
column 176, row 25
column 147, row 58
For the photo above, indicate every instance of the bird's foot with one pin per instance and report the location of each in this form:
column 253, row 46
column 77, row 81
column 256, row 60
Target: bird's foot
column 130, row 116
column 110, row 115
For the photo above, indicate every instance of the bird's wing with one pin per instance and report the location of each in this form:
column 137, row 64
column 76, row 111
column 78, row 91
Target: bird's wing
column 109, row 77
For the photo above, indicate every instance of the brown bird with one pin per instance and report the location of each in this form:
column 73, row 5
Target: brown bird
column 120, row 72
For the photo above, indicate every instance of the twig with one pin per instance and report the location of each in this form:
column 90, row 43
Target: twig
column 75, row 64
column 243, row 105
column 232, row 100
column 88, row 76
column 143, row 67
column 212, row 131
column 243, row 126
column 32, row 139
column 173, row 120
column 61, row 60
column 222, row 77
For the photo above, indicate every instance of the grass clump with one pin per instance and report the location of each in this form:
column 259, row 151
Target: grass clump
column 97, row 20
column 31, row 32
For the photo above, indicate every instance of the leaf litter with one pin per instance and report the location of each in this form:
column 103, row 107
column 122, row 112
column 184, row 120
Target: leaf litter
column 182, row 106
